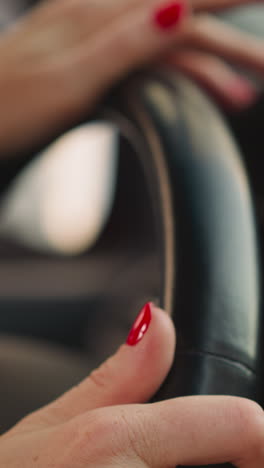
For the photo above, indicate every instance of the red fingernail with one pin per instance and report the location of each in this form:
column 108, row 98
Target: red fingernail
column 140, row 326
column 169, row 15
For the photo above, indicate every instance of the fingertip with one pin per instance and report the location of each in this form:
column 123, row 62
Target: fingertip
column 170, row 15
column 151, row 315
column 240, row 93
column 159, row 341
column 140, row 325
column 164, row 333
column 165, row 323
column 146, row 361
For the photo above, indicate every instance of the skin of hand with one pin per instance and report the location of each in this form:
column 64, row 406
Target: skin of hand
column 208, row 56
column 57, row 61
column 104, row 423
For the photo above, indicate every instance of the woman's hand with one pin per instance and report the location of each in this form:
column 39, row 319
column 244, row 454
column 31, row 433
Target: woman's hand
column 58, row 60
column 102, row 423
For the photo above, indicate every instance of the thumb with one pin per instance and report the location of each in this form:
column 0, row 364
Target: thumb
column 132, row 375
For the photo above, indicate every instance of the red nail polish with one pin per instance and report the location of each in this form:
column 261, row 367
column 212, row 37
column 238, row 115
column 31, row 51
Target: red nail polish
column 170, row 15
column 140, row 326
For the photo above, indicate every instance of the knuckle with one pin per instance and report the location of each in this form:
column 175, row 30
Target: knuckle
column 81, row 440
column 97, row 438
column 136, row 436
column 111, row 435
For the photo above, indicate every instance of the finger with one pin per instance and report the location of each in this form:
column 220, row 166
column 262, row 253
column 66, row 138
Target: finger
column 132, row 375
column 76, row 76
column 59, row 24
column 216, row 5
column 54, row 26
column 228, row 87
column 184, row 431
column 213, row 35
column 127, row 43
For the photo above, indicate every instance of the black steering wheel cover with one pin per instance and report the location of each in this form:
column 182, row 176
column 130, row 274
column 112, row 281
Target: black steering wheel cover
column 206, row 226
column 206, row 229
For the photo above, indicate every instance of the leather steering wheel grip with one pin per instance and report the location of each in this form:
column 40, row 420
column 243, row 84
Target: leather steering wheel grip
column 207, row 235
column 206, row 229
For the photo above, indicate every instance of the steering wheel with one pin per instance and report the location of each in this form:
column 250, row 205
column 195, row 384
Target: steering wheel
column 206, row 233
column 185, row 202
column 196, row 217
